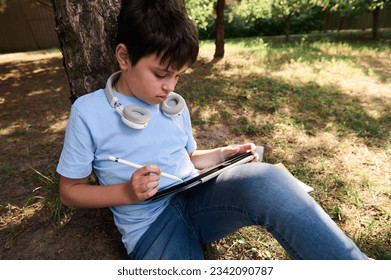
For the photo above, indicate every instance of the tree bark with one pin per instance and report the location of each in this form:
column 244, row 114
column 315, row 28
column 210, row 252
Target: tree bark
column 86, row 31
column 375, row 26
column 219, row 51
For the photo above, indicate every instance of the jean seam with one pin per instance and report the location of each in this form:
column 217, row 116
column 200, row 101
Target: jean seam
column 225, row 208
column 283, row 241
column 189, row 224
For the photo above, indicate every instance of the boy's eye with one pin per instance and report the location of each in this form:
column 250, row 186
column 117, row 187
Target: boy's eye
column 160, row 75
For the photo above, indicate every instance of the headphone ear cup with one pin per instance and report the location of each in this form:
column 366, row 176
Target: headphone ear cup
column 173, row 106
column 135, row 117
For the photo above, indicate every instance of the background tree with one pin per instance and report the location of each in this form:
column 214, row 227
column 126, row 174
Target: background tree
column 248, row 15
column 353, row 8
column 86, row 31
column 286, row 9
column 325, row 7
column 202, row 12
column 219, row 41
column 376, row 6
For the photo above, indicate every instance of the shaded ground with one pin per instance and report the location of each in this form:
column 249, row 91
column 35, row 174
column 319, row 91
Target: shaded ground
column 34, row 108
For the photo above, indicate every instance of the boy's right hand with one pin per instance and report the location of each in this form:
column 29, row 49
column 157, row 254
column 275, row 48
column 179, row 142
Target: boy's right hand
column 144, row 183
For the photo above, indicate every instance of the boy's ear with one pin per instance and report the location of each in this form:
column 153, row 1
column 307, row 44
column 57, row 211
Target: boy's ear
column 121, row 53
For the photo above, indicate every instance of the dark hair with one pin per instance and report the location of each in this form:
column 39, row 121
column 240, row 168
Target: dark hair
column 158, row 26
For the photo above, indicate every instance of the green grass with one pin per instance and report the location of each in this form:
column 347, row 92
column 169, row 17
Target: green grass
column 48, row 180
column 321, row 105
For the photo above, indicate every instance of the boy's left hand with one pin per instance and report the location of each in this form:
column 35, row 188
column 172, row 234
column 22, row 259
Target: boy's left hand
column 230, row 151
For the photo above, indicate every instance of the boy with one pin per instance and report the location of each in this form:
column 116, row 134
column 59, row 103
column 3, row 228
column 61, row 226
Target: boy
column 156, row 42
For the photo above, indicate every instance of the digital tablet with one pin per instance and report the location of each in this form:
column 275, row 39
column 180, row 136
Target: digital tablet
column 204, row 175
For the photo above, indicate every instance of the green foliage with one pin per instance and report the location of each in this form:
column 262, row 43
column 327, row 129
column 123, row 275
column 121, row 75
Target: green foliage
column 252, row 10
column 285, row 8
column 201, row 11
column 2, row 5
column 248, row 18
column 351, row 8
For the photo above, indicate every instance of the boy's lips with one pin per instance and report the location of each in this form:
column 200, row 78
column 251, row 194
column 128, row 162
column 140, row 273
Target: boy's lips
column 162, row 97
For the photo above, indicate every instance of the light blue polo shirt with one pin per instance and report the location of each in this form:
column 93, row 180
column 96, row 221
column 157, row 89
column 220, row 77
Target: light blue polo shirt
column 95, row 132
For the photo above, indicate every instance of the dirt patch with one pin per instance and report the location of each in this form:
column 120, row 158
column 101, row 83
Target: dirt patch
column 34, row 102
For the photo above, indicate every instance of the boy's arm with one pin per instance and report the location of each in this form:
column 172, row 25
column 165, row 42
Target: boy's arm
column 205, row 158
column 79, row 193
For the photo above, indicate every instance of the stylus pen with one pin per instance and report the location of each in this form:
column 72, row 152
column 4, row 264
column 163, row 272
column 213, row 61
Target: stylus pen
column 137, row 166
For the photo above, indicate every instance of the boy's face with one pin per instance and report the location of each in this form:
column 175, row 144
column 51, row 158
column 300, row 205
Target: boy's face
column 148, row 80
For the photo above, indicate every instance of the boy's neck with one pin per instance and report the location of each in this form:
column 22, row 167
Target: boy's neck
column 121, row 86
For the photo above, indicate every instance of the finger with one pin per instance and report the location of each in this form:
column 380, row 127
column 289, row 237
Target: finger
column 249, row 146
column 151, row 192
column 152, row 168
column 231, row 151
column 151, row 186
column 142, row 178
column 148, row 170
column 228, row 152
column 147, row 181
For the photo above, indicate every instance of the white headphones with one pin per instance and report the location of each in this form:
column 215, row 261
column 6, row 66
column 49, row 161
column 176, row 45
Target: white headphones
column 136, row 117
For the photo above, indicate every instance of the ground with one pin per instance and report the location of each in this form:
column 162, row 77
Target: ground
column 34, row 102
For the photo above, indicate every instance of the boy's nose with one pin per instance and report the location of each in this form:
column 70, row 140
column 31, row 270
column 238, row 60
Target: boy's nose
column 169, row 85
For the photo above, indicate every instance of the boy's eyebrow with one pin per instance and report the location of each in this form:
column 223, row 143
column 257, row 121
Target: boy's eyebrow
column 169, row 71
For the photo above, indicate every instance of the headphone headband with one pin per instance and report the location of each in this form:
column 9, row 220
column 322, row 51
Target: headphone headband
column 113, row 100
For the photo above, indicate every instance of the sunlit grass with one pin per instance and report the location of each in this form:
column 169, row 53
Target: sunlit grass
column 322, row 107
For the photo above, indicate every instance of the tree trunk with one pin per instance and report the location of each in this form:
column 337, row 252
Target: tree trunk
column 219, row 52
column 287, row 27
column 86, row 31
column 322, row 16
column 375, row 26
column 341, row 23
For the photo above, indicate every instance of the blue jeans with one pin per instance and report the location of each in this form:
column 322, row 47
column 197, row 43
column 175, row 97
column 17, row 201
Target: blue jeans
column 250, row 194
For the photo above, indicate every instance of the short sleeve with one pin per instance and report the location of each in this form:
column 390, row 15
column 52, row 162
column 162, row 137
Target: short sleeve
column 78, row 150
